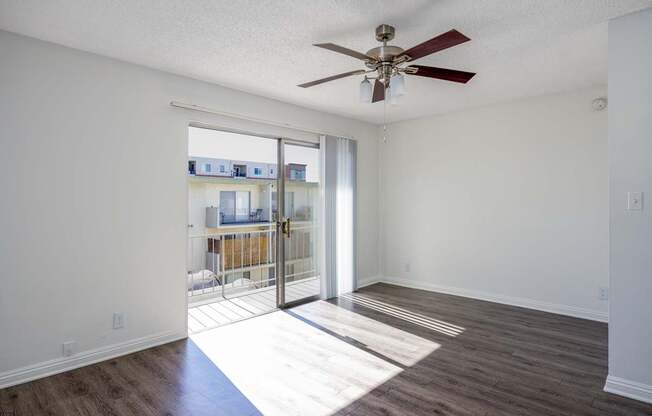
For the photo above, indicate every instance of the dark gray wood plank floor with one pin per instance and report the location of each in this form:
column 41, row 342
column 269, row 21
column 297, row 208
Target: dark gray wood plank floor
column 505, row 361
column 172, row 379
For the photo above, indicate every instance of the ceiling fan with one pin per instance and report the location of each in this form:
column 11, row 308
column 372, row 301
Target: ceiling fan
column 388, row 62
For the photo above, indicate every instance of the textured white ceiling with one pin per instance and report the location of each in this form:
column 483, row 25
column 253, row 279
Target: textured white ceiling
column 519, row 48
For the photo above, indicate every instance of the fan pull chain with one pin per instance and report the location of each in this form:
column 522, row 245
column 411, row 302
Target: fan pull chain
column 385, row 120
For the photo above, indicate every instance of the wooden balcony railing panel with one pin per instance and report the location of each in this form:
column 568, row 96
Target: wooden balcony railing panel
column 244, row 251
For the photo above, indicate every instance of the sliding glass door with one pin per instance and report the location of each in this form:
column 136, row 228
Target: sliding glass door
column 253, row 225
column 297, row 206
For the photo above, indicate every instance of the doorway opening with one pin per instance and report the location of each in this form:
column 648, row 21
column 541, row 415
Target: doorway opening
column 253, row 226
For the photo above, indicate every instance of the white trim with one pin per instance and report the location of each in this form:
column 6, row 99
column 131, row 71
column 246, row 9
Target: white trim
column 60, row 365
column 507, row 300
column 195, row 107
column 628, row 388
column 369, row 280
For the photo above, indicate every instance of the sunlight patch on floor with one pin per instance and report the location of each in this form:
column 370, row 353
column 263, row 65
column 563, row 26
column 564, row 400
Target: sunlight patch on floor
column 397, row 345
column 285, row 366
column 404, row 314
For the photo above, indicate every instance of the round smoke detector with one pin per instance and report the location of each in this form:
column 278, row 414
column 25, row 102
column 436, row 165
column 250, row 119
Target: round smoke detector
column 599, row 104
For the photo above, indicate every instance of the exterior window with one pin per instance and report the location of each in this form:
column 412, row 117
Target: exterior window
column 258, row 171
column 207, row 167
column 242, row 202
column 227, row 207
column 240, row 171
column 296, row 172
column 222, row 170
column 234, row 206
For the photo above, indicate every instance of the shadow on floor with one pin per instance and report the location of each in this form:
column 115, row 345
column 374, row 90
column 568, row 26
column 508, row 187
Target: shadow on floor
column 171, row 379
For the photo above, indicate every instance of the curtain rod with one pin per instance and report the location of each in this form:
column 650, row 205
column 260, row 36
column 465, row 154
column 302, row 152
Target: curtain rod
column 195, row 107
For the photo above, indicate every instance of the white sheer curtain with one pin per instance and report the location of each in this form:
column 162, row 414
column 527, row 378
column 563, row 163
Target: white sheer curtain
column 339, row 265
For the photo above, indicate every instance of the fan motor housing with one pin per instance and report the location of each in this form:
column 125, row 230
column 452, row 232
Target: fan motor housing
column 385, row 53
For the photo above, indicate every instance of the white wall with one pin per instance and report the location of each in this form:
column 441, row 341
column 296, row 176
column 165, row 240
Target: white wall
column 94, row 197
column 507, row 203
column 630, row 170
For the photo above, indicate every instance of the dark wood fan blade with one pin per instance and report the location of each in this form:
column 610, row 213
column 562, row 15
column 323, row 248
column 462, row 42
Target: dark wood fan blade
column 436, row 44
column 331, row 78
column 346, row 51
column 379, row 92
column 442, row 73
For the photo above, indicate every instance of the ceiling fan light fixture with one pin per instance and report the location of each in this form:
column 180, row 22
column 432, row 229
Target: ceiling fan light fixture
column 397, row 84
column 389, row 63
column 365, row 91
column 391, row 95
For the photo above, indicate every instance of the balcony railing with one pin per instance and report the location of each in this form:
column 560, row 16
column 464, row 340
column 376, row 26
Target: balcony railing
column 231, row 264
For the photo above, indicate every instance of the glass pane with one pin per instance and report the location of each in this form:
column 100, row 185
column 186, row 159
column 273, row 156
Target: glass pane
column 241, row 206
column 302, row 278
column 227, row 206
column 231, row 238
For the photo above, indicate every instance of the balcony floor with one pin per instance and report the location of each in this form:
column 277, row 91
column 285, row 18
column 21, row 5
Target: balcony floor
column 220, row 311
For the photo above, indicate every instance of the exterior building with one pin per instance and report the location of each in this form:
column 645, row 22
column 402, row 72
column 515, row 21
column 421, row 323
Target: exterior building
column 295, row 172
column 260, row 170
column 210, row 167
column 201, row 166
column 232, row 216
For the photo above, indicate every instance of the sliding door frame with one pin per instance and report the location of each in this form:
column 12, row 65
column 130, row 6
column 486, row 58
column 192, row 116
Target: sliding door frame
column 281, row 223
column 280, row 202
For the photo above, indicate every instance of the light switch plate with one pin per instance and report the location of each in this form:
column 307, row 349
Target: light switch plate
column 118, row 320
column 69, row 348
column 634, row 201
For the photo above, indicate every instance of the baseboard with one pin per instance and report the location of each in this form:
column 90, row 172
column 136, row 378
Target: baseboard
column 370, row 280
column 507, row 300
column 60, row 365
column 627, row 388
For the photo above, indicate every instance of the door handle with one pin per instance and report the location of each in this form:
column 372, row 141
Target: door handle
column 285, row 227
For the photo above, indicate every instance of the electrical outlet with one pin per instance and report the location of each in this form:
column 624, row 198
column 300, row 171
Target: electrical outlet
column 69, row 348
column 118, row 320
column 635, row 201
column 604, row 293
